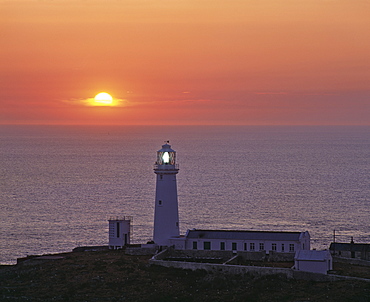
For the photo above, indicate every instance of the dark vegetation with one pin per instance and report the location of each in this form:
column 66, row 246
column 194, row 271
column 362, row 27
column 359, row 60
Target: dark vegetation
column 114, row 276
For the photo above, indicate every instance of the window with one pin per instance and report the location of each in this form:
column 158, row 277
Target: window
column 291, row 247
column 245, row 246
column 282, row 247
column 160, row 177
column 262, row 246
column 251, row 246
column 222, row 246
column 234, row 246
column 177, row 224
column 118, row 229
column 206, row 245
column 195, row 245
column 273, row 247
column 160, row 202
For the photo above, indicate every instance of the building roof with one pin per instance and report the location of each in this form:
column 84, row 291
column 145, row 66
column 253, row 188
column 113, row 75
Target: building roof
column 350, row 247
column 243, row 235
column 312, row 255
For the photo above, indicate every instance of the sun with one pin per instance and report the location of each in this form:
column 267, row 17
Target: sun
column 103, row 98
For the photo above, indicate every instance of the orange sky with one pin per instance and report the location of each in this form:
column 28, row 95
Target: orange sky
column 250, row 62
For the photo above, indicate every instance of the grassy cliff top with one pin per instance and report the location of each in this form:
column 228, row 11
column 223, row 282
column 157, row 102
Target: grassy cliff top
column 114, row 276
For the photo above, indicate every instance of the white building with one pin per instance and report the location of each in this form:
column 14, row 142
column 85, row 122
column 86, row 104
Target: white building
column 249, row 241
column 119, row 232
column 313, row 261
column 166, row 214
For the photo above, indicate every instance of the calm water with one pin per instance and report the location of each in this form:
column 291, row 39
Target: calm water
column 59, row 184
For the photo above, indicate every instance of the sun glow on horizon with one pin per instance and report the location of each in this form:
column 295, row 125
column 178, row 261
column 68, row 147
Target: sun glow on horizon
column 102, row 99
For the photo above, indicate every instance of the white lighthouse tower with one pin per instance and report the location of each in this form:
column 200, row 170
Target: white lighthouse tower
column 166, row 213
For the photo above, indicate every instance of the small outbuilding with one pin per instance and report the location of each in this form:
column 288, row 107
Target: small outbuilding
column 313, row 261
column 119, row 232
column 351, row 250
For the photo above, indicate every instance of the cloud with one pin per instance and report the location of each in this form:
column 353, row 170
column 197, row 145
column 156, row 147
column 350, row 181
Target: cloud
column 286, row 93
column 280, row 93
column 90, row 102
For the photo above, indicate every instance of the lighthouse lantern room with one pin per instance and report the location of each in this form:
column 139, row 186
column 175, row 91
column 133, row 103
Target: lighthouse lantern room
column 166, row 215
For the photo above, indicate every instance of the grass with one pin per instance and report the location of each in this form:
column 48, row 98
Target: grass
column 114, row 276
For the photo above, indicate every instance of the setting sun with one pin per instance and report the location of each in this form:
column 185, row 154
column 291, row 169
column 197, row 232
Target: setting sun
column 103, row 98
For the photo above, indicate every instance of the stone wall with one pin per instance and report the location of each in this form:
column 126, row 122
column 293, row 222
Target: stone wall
column 352, row 261
column 226, row 255
column 253, row 256
column 140, row 251
column 252, row 270
column 353, row 254
column 225, row 268
column 282, row 257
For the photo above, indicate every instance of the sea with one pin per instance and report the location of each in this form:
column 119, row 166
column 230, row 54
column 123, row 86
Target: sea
column 59, row 185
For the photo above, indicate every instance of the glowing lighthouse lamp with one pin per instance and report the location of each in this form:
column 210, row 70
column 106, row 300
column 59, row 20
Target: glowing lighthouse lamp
column 166, row 214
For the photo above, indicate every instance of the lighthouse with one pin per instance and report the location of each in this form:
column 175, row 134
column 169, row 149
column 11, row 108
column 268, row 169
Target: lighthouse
column 166, row 213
